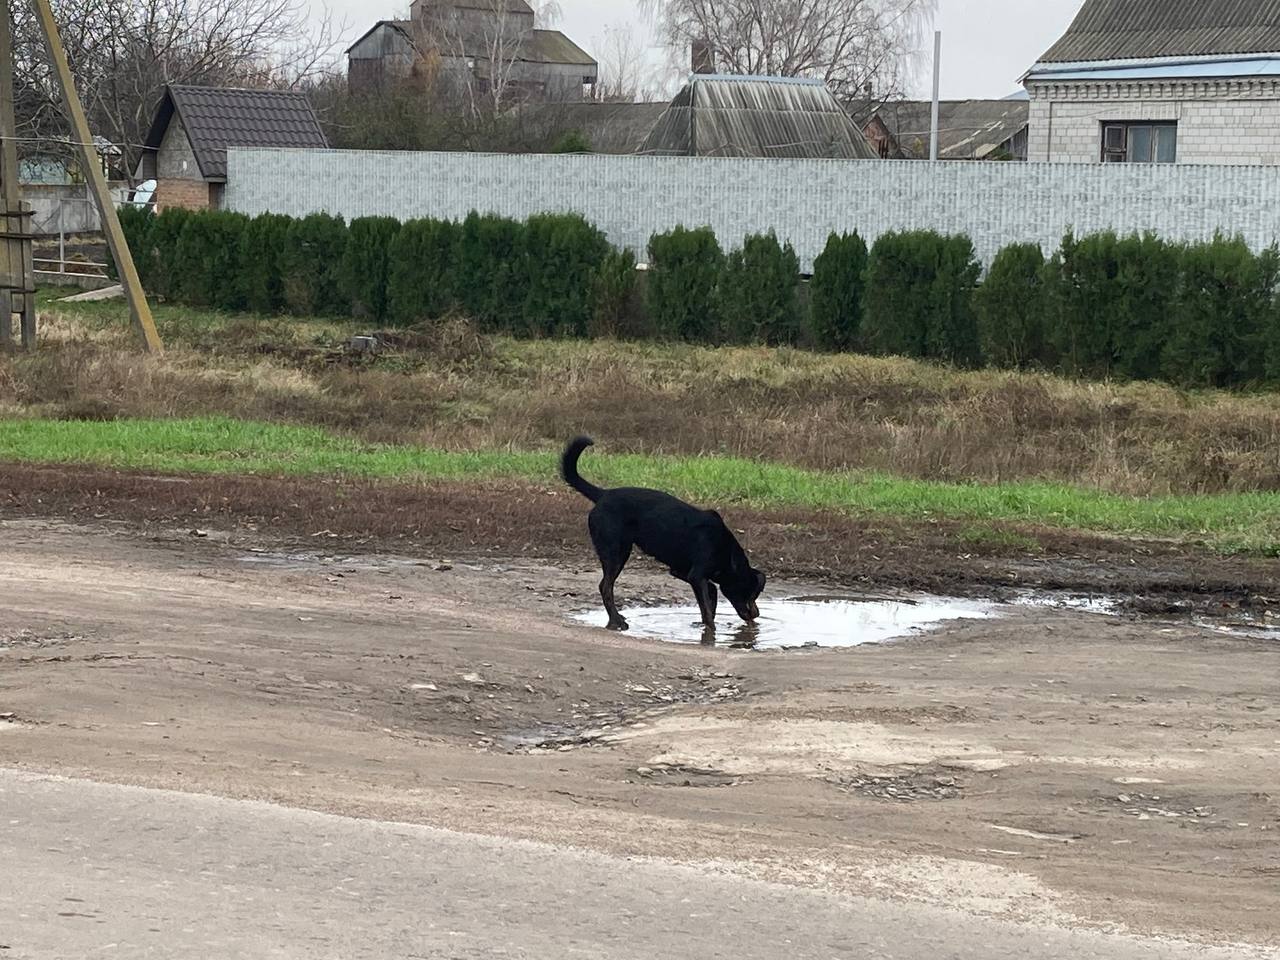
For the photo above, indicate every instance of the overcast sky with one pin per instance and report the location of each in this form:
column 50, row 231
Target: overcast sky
column 987, row 44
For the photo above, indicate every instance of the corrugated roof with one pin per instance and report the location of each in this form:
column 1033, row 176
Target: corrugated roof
column 219, row 117
column 1140, row 29
column 617, row 128
column 967, row 129
column 756, row 117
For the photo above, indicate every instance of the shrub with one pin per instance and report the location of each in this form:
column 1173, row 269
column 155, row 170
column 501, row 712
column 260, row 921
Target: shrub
column 758, row 292
column 207, row 260
column 836, row 293
column 1009, row 308
column 160, row 267
column 310, row 266
column 492, row 281
column 420, row 275
column 262, row 247
column 1227, row 304
column 1112, row 302
column 563, row 253
column 135, row 223
column 952, row 332
column 919, row 297
column 684, row 274
column 574, row 141
column 363, row 272
column 613, row 302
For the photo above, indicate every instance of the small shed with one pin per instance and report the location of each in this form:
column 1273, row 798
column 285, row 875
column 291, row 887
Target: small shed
column 185, row 151
column 733, row 116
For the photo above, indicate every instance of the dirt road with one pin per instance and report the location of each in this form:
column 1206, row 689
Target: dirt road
column 1051, row 768
column 234, row 879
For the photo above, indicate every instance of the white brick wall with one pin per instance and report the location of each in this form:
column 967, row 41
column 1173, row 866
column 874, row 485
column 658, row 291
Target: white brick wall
column 630, row 198
column 1219, row 122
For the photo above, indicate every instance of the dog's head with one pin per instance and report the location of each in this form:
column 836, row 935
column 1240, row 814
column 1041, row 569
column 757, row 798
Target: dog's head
column 743, row 591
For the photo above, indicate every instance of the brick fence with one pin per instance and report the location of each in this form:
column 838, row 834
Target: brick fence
column 630, row 198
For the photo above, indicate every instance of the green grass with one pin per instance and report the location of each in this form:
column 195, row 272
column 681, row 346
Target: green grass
column 1248, row 522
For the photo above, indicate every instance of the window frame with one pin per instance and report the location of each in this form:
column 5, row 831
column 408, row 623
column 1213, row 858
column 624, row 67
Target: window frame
column 1122, row 153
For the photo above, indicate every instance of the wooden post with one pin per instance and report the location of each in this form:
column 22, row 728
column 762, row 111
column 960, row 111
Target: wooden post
column 9, row 196
column 97, row 181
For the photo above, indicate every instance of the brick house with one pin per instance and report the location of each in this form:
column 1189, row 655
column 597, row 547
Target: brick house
column 1161, row 81
column 185, row 151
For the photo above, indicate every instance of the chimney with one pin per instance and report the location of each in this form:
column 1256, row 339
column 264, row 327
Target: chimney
column 703, row 59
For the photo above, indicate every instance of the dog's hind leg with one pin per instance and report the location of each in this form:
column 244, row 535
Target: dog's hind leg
column 614, row 551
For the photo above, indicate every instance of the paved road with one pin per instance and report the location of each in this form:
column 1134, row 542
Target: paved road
column 92, row 870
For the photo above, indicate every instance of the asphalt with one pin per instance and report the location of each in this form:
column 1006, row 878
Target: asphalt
column 96, row 870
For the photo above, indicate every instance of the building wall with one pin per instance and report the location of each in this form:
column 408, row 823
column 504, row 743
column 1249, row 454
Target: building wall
column 175, row 160
column 190, row 194
column 1233, row 122
column 632, row 197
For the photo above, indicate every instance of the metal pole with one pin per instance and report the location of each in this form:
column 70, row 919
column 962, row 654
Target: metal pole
column 937, row 87
column 97, row 181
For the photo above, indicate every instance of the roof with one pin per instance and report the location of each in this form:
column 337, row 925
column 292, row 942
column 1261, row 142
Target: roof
column 219, row 117
column 719, row 116
column 546, row 46
column 967, row 129
column 1145, row 29
column 552, row 46
column 617, row 128
column 489, row 6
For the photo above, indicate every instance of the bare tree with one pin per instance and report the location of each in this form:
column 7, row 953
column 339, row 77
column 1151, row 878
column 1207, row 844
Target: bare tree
column 625, row 74
column 123, row 52
column 476, row 51
column 855, row 46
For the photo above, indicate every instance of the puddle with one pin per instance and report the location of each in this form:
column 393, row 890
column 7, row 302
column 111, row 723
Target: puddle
column 805, row 621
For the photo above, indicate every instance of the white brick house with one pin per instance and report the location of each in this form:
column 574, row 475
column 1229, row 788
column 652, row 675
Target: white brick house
column 1160, row 81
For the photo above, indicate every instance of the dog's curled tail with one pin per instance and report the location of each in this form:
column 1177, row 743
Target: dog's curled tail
column 569, row 469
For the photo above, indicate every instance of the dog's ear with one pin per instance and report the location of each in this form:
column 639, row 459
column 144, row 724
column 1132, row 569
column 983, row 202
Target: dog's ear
column 760, row 580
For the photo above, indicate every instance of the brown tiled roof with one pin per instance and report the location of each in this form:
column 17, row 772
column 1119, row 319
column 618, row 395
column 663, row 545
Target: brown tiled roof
column 219, row 117
column 1141, row 29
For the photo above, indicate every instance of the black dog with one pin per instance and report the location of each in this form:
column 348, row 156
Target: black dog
column 695, row 544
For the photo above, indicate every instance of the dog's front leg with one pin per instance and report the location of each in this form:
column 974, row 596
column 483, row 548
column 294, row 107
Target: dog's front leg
column 708, row 597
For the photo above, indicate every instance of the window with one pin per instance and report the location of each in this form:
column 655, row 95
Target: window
column 1139, row 142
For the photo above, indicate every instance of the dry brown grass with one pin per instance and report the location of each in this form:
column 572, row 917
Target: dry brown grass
column 451, row 389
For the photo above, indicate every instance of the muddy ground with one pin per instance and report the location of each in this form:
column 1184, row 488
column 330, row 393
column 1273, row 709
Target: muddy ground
column 407, row 653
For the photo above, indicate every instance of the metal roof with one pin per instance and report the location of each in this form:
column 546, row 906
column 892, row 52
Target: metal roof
column 215, row 118
column 1177, row 70
column 967, row 129
column 719, row 116
column 1143, row 29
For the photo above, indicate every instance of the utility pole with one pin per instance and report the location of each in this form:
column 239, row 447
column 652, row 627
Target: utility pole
column 96, row 179
column 937, row 87
column 17, row 269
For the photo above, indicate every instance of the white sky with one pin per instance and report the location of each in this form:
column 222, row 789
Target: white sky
column 987, row 44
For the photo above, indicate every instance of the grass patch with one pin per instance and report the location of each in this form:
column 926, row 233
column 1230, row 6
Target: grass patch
column 1243, row 522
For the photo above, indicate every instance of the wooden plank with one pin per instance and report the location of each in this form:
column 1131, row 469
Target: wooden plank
column 28, row 323
column 97, row 181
